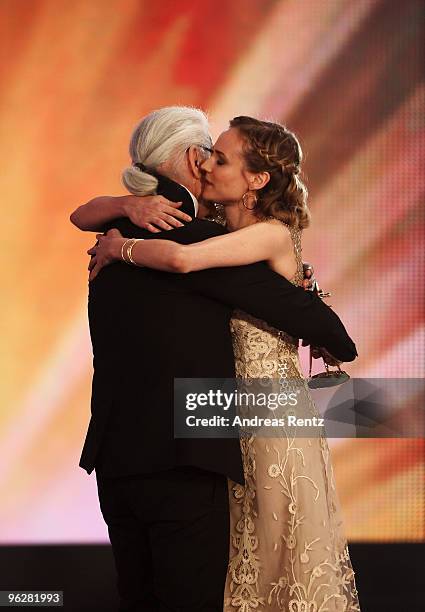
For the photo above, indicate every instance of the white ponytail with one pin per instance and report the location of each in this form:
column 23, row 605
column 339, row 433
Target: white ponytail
column 163, row 135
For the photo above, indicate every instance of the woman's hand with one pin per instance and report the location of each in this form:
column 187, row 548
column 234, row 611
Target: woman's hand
column 321, row 352
column 105, row 251
column 154, row 213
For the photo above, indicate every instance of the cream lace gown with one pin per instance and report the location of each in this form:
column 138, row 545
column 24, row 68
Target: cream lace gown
column 287, row 550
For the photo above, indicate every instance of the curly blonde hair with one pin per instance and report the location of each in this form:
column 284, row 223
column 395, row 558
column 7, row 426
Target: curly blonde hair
column 271, row 147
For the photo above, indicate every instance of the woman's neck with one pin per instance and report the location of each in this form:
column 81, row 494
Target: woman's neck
column 238, row 217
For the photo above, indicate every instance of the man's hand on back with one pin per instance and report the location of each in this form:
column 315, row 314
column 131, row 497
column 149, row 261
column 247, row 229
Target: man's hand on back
column 155, row 213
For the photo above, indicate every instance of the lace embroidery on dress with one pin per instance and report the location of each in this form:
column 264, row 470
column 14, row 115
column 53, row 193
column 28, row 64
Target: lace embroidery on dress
column 287, row 550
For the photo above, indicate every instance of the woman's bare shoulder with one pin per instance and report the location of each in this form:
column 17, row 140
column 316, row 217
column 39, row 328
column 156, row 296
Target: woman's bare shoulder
column 277, row 228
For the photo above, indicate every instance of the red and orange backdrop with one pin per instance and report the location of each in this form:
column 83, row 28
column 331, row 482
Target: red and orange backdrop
column 75, row 77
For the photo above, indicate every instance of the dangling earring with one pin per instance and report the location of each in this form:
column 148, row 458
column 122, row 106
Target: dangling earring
column 245, row 198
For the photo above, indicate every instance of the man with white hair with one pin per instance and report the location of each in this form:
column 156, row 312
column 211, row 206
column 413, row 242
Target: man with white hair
column 172, row 141
column 165, row 500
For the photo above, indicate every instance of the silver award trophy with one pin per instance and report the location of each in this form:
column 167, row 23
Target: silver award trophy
column 329, row 377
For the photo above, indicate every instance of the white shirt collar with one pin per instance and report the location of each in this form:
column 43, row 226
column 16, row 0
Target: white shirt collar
column 195, row 201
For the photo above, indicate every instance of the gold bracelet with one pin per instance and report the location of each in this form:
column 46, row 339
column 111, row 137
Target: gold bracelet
column 130, row 250
column 127, row 249
column 124, row 250
column 128, row 253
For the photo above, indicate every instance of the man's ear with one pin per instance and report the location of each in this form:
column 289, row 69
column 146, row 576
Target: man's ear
column 195, row 159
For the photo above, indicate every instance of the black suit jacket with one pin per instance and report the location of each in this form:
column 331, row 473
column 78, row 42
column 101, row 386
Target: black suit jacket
column 148, row 327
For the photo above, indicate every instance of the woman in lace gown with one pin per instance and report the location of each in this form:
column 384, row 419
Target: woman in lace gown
column 288, row 551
